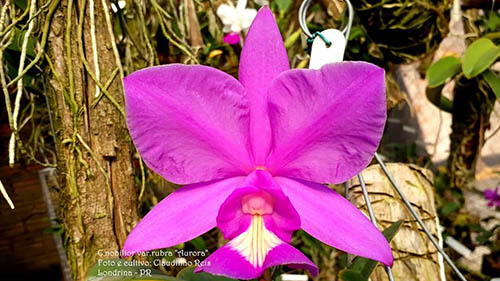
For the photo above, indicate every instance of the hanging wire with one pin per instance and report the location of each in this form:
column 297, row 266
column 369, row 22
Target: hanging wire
column 372, row 216
column 419, row 220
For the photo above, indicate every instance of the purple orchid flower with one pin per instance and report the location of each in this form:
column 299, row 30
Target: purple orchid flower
column 252, row 154
column 493, row 197
column 232, row 38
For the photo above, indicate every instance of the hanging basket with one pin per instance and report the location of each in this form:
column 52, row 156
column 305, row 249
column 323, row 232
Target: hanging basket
column 415, row 258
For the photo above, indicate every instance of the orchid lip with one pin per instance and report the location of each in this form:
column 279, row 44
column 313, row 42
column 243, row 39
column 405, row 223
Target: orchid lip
column 259, row 220
column 255, row 243
column 260, row 203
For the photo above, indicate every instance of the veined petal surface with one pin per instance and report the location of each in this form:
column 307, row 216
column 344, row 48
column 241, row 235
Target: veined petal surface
column 262, row 59
column 335, row 221
column 189, row 123
column 183, row 215
column 326, row 124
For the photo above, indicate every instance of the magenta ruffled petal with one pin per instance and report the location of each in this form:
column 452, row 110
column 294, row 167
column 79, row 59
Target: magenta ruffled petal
column 287, row 255
column 489, row 194
column 189, row 123
column 262, row 59
column 335, row 221
column 327, row 123
column 231, row 220
column 493, row 196
column 283, row 221
column 228, row 262
column 183, row 215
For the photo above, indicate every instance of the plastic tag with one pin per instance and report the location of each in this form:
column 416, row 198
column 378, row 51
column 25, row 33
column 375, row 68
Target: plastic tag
column 321, row 54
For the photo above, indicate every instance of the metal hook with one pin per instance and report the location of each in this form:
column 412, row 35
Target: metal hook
column 303, row 24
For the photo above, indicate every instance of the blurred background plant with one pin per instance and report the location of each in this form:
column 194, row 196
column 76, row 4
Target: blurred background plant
column 61, row 69
column 477, row 88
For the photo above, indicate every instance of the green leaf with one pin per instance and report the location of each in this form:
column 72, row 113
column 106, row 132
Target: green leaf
column 493, row 21
column 356, row 32
column 283, row 5
column 292, row 38
column 311, row 242
column 449, row 208
column 17, row 43
column 187, row 274
column 352, row 275
column 484, row 237
column 54, row 229
column 492, row 80
column 440, row 71
column 199, row 244
column 391, row 231
column 435, row 97
column 479, row 56
column 366, row 266
column 21, row 4
column 124, row 270
column 343, row 260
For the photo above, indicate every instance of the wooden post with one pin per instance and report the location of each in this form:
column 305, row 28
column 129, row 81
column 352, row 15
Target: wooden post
column 95, row 164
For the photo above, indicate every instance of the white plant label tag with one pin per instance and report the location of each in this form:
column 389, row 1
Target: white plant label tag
column 321, row 54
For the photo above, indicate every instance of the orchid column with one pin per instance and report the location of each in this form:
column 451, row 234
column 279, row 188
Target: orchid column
column 253, row 154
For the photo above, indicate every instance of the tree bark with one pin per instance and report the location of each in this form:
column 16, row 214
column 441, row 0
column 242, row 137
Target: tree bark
column 472, row 106
column 473, row 102
column 95, row 164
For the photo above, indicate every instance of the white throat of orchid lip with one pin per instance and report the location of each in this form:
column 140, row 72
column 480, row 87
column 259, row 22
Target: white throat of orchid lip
column 255, row 243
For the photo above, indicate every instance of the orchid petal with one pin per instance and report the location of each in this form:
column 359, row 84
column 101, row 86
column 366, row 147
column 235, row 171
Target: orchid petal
column 283, row 221
column 189, row 123
column 327, row 123
column 183, row 215
column 262, row 59
column 288, row 255
column 227, row 13
column 335, row 221
column 232, row 38
column 231, row 220
column 491, row 193
column 228, row 262
column 231, row 262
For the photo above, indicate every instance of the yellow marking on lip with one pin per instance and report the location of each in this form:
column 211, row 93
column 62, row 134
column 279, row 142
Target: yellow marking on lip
column 256, row 242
